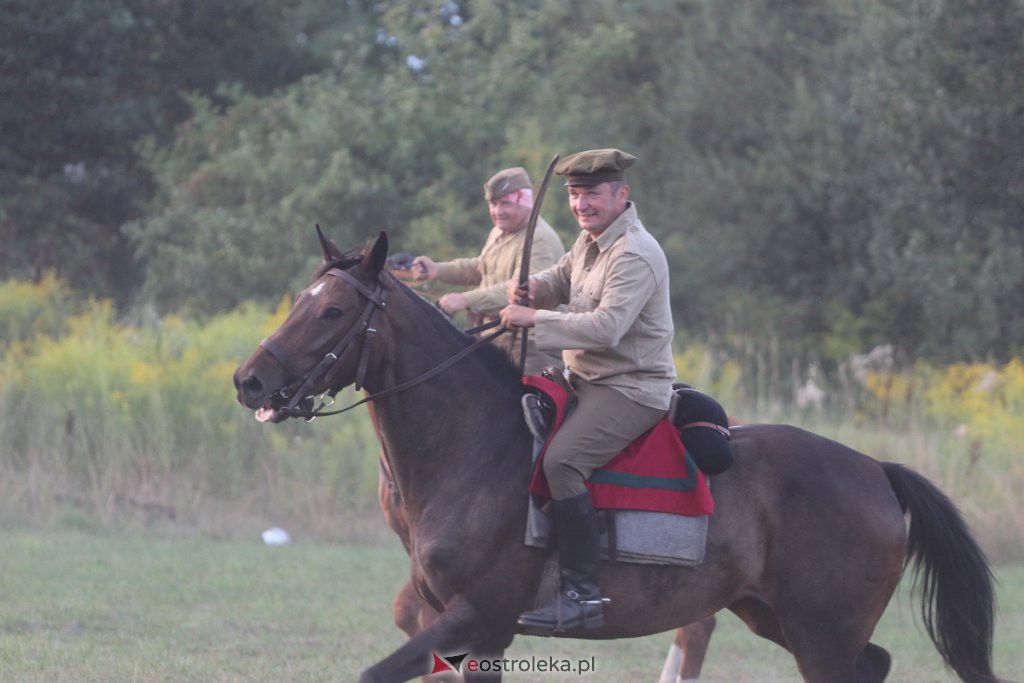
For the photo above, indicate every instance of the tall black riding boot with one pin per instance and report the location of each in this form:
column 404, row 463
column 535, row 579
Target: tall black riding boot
column 578, row 603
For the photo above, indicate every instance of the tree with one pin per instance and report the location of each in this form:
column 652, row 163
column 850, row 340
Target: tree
column 824, row 176
column 80, row 84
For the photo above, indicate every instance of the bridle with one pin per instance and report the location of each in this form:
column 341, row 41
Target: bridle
column 300, row 402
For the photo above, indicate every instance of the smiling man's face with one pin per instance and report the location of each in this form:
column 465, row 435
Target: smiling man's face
column 507, row 214
column 597, row 206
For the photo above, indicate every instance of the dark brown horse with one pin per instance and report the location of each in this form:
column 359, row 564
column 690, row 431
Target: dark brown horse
column 806, row 545
column 412, row 614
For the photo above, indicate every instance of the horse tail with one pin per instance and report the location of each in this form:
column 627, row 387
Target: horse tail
column 956, row 581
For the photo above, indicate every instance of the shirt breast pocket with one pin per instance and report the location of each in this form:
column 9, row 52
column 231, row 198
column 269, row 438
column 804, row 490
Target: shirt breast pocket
column 584, row 298
column 592, row 285
column 590, row 294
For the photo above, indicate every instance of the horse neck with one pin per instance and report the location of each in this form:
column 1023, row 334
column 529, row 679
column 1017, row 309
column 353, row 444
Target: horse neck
column 460, row 428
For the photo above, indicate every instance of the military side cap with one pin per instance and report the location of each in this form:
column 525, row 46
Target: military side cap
column 506, row 182
column 594, row 166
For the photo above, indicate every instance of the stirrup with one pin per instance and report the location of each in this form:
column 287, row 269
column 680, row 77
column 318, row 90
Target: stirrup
column 538, row 411
column 551, row 618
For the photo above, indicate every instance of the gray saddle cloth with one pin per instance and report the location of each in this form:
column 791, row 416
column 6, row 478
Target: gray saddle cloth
column 635, row 535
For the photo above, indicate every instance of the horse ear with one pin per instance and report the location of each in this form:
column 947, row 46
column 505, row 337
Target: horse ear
column 376, row 258
column 327, row 246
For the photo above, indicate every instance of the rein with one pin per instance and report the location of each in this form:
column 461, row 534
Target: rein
column 295, row 392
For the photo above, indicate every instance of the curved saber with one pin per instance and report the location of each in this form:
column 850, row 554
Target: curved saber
column 524, row 266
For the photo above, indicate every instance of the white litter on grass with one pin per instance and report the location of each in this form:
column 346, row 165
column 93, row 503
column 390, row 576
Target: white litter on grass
column 276, row 536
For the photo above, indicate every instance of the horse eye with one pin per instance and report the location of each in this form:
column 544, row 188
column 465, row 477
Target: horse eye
column 332, row 312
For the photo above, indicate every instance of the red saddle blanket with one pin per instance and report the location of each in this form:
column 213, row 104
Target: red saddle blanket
column 653, row 473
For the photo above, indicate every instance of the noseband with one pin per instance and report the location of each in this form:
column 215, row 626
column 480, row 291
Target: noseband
column 295, row 393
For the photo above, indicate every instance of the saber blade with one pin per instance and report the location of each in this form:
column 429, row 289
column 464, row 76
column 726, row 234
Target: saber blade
column 524, row 266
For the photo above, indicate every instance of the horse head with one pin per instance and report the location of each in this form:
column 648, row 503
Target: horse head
column 324, row 343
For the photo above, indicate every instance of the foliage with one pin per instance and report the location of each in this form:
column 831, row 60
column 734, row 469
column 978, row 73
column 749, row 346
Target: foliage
column 138, row 421
column 29, row 310
column 979, row 403
column 120, row 417
column 982, row 401
column 712, row 374
column 825, row 177
column 83, row 82
column 832, row 175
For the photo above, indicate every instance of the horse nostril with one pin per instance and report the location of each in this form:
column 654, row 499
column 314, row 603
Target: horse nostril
column 252, row 386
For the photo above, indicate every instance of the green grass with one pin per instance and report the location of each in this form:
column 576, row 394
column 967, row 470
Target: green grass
column 123, row 606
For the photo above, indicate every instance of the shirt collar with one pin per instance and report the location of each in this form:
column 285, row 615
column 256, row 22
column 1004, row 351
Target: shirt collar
column 518, row 232
column 617, row 229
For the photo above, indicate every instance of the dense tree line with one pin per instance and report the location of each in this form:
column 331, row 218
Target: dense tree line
column 82, row 83
column 825, row 176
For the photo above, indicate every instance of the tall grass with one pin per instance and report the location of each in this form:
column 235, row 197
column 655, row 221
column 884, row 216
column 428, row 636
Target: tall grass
column 107, row 422
column 114, row 422
column 961, row 425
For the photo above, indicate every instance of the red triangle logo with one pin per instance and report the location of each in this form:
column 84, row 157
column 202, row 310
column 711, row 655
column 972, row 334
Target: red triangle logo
column 440, row 665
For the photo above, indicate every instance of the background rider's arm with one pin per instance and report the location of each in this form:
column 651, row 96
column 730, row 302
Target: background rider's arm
column 490, row 300
column 461, row 271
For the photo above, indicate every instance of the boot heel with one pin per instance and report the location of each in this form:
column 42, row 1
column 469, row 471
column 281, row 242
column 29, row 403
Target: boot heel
column 592, row 613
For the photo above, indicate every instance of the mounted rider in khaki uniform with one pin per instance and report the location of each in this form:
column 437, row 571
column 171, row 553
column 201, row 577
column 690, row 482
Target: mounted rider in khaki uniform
column 509, row 199
column 617, row 341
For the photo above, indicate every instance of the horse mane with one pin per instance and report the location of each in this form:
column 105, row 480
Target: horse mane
column 494, row 359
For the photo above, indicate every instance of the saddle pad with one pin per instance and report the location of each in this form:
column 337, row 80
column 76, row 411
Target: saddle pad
column 640, row 537
column 654, row 473
column 637, row 536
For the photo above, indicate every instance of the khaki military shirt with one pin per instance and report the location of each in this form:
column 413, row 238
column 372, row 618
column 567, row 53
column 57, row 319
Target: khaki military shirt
column 498, row 263
column 618, row 328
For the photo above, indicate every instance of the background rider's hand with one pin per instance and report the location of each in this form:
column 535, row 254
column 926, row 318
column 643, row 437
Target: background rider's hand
column 514, row 315
column 424, row 268
column 453, row 303
column 516, row 293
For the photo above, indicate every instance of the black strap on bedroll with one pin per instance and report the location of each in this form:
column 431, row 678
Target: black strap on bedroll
column 703, row 428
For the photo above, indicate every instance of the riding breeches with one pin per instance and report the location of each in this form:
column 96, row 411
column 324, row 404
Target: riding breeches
column 603, row 423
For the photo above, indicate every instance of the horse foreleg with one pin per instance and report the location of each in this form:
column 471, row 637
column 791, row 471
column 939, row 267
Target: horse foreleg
column 412, row 614
column 686, row 654
column 458, row 630
column 407, row 609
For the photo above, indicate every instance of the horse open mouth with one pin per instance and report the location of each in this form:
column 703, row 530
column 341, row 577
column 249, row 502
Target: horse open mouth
column 268, row 413
column 271, row 411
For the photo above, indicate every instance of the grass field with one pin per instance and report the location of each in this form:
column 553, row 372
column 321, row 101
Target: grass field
column 124, row 606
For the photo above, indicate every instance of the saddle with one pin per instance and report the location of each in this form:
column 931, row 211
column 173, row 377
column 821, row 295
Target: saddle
column 653, row 499
column 541, row 409
column 664, row 470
